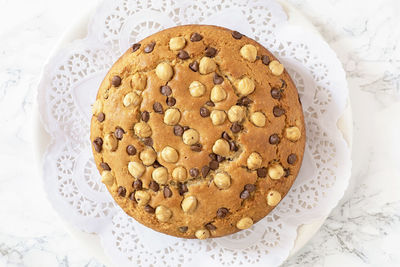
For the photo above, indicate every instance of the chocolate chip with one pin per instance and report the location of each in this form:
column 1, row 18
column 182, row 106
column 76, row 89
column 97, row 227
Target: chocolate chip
column 236, row 35
column 150, row 47
column 132, row 196
column 287, row 172
column 156, row 164
column 158, row 108
column 185, row 128
column 194, row 66
column 182, row 189
column 226, row 136
column 276, row 93
column 178, row 130
column 167, row 192
column 204, row 112
column 222, row 212
column 149, row 209
column 119, row 133
column 195, row 37
column 250, row 187
column 233, row 146
column 262, row 172
column 101, row 117
column 278, row 111
column 98, row 144
column 105, row 166
column 283, row 84
column 165, row 90
column 244, row 194
column 265, row 59
column 210, row 226
column 145, row 116
column 137, row 184
column 154, row 186
column 218, row 79
column 244, row 101
column 116, row 81
column 135, row 47
column 196, row 147
column 274, row 139
column 183, row 229
column 220, row 158
column 213, row 165
column 236, row 127
column 148, row 141
column 292, row 158
column 171, row 101
column 213, row 156
column 183, row 55
column 131, row 150
column 194, row 172
column 121, row 191
column 204, row 171
column 210, row 52
column 210, row 104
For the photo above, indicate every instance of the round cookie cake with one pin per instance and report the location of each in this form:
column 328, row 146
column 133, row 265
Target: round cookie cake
column 198, row 131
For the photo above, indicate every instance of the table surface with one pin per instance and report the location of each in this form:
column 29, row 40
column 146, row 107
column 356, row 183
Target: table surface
column 363, row 230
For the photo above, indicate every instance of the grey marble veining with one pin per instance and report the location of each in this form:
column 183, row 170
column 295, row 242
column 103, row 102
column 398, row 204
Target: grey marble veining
column 363, row 230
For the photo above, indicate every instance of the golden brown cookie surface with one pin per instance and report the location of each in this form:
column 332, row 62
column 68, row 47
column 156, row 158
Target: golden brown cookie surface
column 198, row 131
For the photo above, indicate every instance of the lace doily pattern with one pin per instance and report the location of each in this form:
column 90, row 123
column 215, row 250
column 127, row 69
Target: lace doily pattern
column 71, row 180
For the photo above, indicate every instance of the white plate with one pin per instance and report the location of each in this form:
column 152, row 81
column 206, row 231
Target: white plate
column 91, row 241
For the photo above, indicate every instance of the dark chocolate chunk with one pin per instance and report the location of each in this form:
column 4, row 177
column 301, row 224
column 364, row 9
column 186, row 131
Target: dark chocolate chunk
column 101, row 117
column 116, row 81
column 292, row 158
column 98, row 144
column 274, row 139
column 244, row 194
column 194, row 66
column 278, row 111
column 210, row 52
column 222, row 212
column 196, row 147
column 183, row 55
column 105, row 166
column 204, row 112
column 213, row 165
column 204, row 171
column 195, row 37
column 148, row 141
column 265, row 60
column 158, row 108
column 194, row 172
column 154, row 186
column 131, row 150
column 183, row 229
column 121, row 191
column 276, row 93
column 218, row 79
column 250, row 187
column 137, row 184
column 145, row 116
column 178, row 130
column 165, row 90
column 119, row 133
column 171, row 101
column 149, row 209
column 262, row 172
column 150, row 47
column 135, row 47
column 210, row 226
column 167, row 192
column 236, row 127
column 237, row 35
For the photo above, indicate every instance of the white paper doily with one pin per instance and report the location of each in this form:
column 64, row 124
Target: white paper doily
column 73, row 184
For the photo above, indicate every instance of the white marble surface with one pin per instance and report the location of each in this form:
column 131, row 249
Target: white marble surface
column 362, row 231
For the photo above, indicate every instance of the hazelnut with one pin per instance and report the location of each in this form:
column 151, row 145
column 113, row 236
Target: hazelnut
column 169, row 154
column 222, row 180
column 172, row 116
column 139, row 81
column 244, row 223
column 221, row 147
column 163, row 214
column 190, row 137
column 179, row 173
column 148, row 156
column 136, row 169
column 97, row 107
column 293, row 133
column 202, row 234
column 110, row 142
column 275, row 171
column 142, row 129
column 246, row 86
column 197, row 89
column 207, row 65
column 132, row 99
column 276, row 67
column 107, row 178
column 177, row 43
column 254, row 161
column 218, row 94
column 164, row 71
column 189, row 204
column 160, row 175
column 142, row 197
column 273, row 198
column 249, row 52
column 217, row 117
column 258, row 119
column 236, row 113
